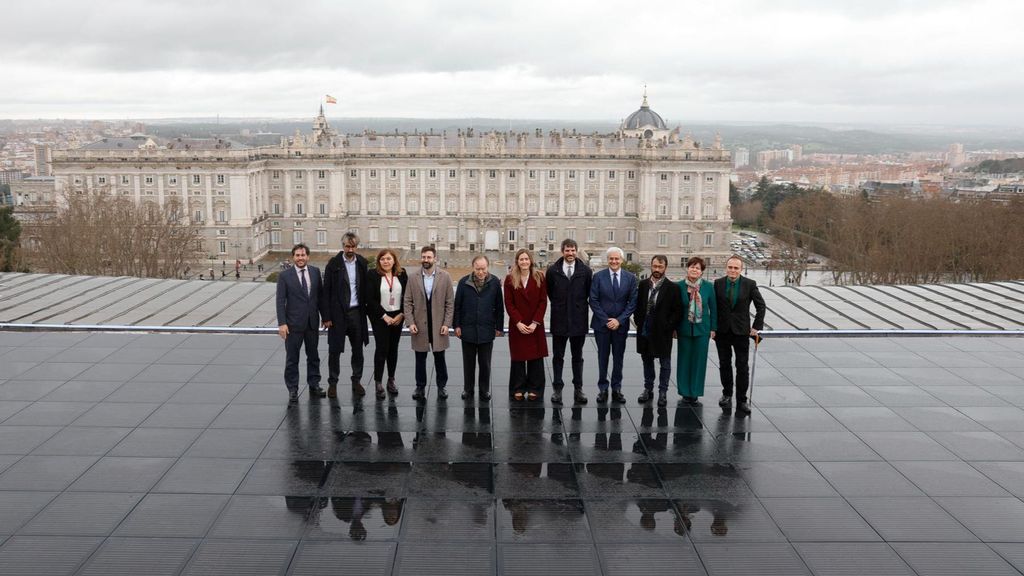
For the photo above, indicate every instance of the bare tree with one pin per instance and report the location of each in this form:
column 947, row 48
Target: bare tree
column 103, row 234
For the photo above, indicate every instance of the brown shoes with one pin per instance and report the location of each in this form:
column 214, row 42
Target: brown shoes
column 358, row 390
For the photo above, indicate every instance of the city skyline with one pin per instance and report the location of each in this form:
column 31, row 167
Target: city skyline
column 792, row 61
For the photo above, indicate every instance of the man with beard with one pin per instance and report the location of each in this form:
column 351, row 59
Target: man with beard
column 659, row 306
column 568, row 284
column 429, row 306
column 344, row 313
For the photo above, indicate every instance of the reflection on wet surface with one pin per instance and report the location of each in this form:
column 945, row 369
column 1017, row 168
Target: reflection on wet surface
column 398, row 487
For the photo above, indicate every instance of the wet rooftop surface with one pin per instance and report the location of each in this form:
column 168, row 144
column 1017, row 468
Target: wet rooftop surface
column 178, row 454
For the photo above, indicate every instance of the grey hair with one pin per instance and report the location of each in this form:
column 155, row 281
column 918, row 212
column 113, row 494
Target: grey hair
column 609, row 251
column 481, row 257
column 349, row 238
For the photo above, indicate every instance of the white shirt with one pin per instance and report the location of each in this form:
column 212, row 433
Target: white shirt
column 567, row 267
column 390, row 298
column 350, row 267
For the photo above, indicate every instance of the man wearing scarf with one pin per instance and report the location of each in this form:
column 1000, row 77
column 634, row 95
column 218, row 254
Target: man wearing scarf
column 659, row 307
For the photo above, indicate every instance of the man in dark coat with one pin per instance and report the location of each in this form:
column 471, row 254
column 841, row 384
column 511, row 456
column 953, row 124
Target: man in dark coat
column 568, row 282
column 343, row 308
column 298, row 322
column 734, row 294
column 659, row 307
column 479, row 319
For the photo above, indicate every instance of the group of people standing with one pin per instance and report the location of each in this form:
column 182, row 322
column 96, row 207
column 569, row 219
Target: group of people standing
column 689, row 313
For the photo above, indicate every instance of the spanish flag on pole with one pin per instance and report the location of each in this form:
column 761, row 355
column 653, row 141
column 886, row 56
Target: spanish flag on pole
column 331, row 99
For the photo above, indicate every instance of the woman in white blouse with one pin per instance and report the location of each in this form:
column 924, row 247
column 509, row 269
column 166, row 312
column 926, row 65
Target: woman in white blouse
column 384, row 289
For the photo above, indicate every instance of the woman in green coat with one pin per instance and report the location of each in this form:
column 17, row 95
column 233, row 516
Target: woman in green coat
column 697, row 327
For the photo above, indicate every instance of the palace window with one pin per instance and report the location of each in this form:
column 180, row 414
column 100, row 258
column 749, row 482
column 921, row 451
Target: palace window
column 662, row 239
column 630, row 175
column 611, row 174
column 196, row 179
column 220, row 178
column 321, row 174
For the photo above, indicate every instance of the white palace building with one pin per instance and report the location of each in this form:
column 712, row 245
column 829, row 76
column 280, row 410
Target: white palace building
column 643, row 188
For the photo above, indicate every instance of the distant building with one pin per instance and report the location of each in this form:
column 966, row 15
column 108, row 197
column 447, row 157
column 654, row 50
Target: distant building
column 642, row 188
column 741, row 157
column 33, row 198
column 42, row 160
column 10, row 175
column 956, row 157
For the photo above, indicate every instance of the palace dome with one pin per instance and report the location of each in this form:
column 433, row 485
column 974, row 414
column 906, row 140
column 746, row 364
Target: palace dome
column 644, row 117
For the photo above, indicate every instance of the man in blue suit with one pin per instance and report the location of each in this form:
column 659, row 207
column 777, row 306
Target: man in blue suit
column 612, row 300
column 298, row 321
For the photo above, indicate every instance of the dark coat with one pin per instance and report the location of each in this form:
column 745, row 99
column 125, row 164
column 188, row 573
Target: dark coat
column 607, row 303
column 479, row 315
column 667, row 310
column 300, row 311
column 336, row 296
column 526, row 305
column 570, row 309
column 374, row 310
column 737, row 320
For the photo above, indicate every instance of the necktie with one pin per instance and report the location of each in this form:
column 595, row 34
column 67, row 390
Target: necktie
column 615, row 282
column 731, row 293
column 570, row 272
column 302, row 280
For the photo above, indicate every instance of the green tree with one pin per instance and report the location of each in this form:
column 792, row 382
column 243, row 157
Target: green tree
column 10, row 232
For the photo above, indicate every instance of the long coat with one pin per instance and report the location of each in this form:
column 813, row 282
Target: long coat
column 570, row 311
column 442, row 309
column 709, row 321
column 336, row 298
column 526, row 305
column 479, row 315
column 736, row 320
column 665, row 317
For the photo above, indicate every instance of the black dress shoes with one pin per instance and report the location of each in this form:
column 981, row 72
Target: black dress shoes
column 293, row 396
column 602, row 396
column 724, row 401
column 467, row 395
column 317, row 393
column 618, row 398
column 646, row 397
column 556, row 397
column 419, row 394
column 743, row 408
column 662, row 400
column 485, row 396
column 579, row 397
column 442, row 394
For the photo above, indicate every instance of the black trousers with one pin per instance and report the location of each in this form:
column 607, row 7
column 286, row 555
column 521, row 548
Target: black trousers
column 353, row 332
column 527, row 376
column 472, row 355
column 558, row 360
column 292, row 344
column 726, row 344
column 385, row 344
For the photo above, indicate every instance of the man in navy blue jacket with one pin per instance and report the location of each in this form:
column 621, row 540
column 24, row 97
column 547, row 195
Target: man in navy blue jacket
column 479, row 318
column 612, row 300
column 298, row 321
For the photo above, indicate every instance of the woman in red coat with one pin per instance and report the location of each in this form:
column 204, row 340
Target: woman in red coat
column 526, row 300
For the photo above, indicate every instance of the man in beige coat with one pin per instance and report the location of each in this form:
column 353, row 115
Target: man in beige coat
column 429, row 303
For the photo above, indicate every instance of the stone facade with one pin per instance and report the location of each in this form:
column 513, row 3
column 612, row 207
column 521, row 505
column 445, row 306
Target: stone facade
column 462, row 191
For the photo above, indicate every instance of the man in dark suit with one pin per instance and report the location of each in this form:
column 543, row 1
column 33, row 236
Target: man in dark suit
column 344, row 313
column 298, row 321
column 733, row 294
column 612, row 300
column 659, row 308
column 568, row 283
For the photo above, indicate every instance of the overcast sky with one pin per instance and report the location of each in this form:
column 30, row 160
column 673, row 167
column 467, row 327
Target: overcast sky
column 905, row 61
